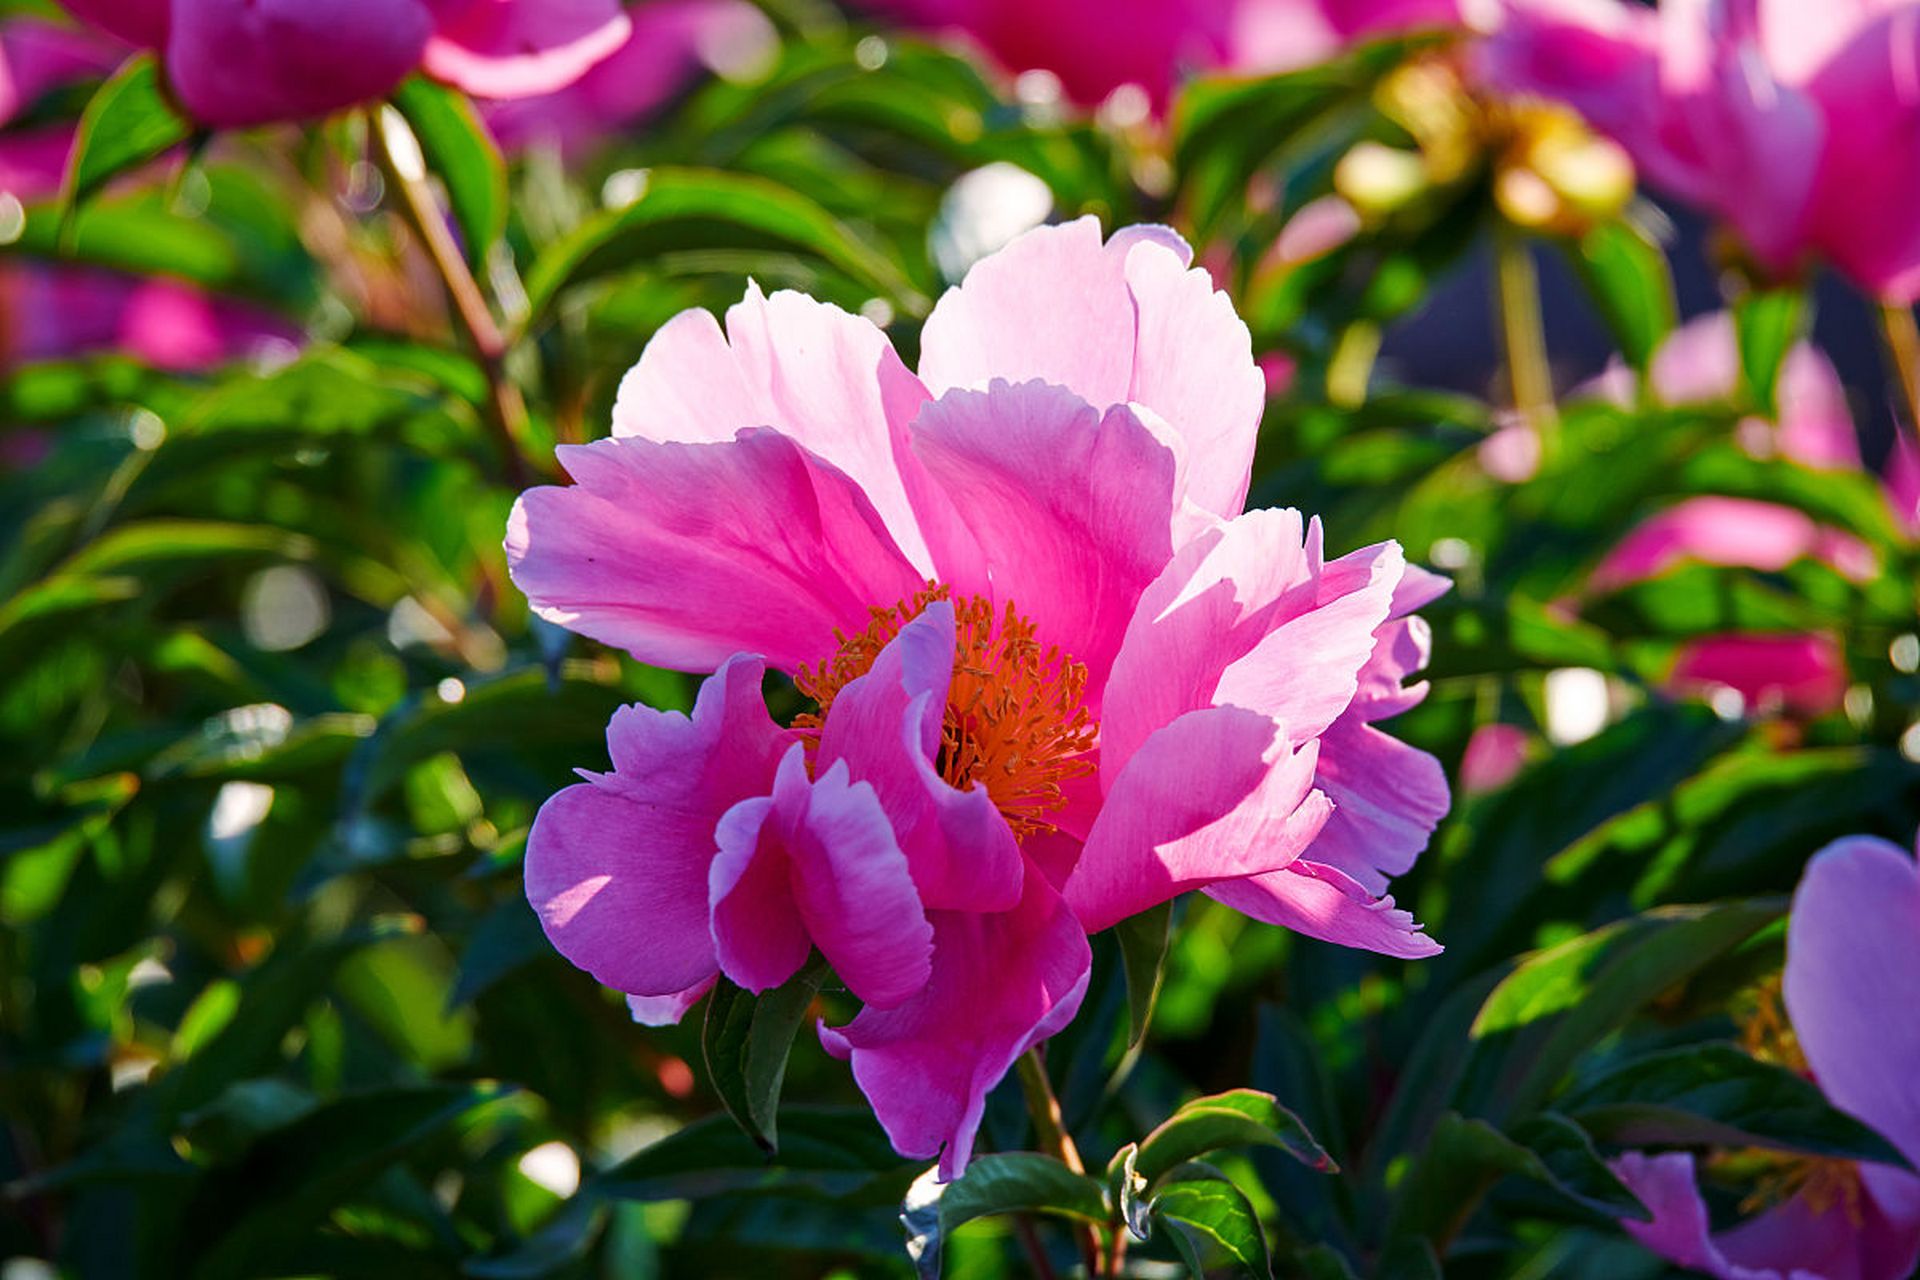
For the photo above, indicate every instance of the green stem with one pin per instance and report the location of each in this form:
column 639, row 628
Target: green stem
column 1901, row 338
column 407, row 179
column 1050, row 1128
column 1524, row 338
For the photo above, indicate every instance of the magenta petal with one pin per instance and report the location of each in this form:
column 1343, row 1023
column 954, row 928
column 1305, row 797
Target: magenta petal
column 1002, row 982
column 1324, row 902
column 686, row 553
column 817, row 865
column 1796, row 1240
column 885, row 727
column 140, row 22
column 1071, row 510
column 1218, row 794
column 244, row 62
column 516, row 48
column 665, row 1011
column 1679, row 1230
column 617, row 866
column 1731, row 533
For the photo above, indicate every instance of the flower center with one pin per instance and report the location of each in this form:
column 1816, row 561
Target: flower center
column 1773, row 1177
column 1015, row 722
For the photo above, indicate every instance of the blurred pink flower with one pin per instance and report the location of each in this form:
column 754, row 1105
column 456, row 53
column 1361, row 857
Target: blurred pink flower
column 56, row 310
column 245, row 62
column 36, row 58
column 1095, row 48
column 1853, row 946
column 1801, row 675
column 1793, row 122
column 1062, row 676
column 669, row 44
column 1730, row 533
column 1494, row 756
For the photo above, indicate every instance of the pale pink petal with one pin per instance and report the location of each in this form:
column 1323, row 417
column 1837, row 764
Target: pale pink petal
column 1217, row 794
column 245, row 62
column 686, row 553
column 885, row 726
column 1803, row 674
column 816, row 865
column 1002, row 982
column 617, row 866
column 1387, row 799
column 1127, row 320
column 665, row 1011
column 1322, row 902
column 1729, row 533
column 1679, row 1231
column 1816, row 422
column 1494, row 756
column 1071, row 510
column 829, row 380
column 514, row 48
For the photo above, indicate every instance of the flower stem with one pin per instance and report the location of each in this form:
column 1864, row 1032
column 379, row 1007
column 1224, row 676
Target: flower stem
column 1050, row 1129
column 398, row 155
column 1901, row 339
column 1524, row 338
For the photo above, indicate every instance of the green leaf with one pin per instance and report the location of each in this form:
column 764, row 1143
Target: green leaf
column 693, row 209
column 1143, row 956
column 1714, row 1094
column 1630, row 280
column 833, row 1153
column 1013, row 1182
column 1237, row 1118
column 746, row 1040
column 1766, row 322
column 561, row 1242
column 127, row 123
column 461, row 153
column 1204, row 1208
column 1574, row 1168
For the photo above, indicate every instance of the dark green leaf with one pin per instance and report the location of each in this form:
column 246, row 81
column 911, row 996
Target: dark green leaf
column 128, row 122
column 746, row 1040
column 1014, row 1182
column 1237, row 1118
column 834, row 1153
column 1143, row 955
column 1205, row 1209
column 460, row 152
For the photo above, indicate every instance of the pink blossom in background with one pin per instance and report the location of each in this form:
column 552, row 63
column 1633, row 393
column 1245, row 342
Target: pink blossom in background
column 57, row 310
column 670, row 43
column 1801, row 675
column 1739, row 533
column 245, row 62
column 1095, row 47
column 1853, row 948
column 1061, row 675
column 1494, row 756
column 37, row 58
column 1794, row 122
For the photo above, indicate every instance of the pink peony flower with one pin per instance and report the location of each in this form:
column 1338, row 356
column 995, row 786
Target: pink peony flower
column 1793, row 122
column 1730, row 533
column 1095, row 48
column 1853, row 946
column 59, row 310
column 671, row 41
column 1061, row 675
column 1495, row 755
column 245, row 62
column 1802, row 675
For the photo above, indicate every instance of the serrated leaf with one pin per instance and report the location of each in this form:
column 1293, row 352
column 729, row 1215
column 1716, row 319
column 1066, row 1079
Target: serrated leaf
column 461, row 153
column 746, row 1040
column 1013, row 1182
column 1237, row 1118
column 1715, row 1094
column 128, row 122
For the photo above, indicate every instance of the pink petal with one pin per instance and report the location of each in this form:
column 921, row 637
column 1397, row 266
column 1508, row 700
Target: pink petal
column 1679, row 1231
column 829, row 380
column 140, row 22
column 1322, row 902
column 1070, row 510
column 1803, row 674
column 686, row 553
column 1217, row 794
column 816, row 865
column 244, row 62
column 1002, row 982
column 1387, row 799
column 1125, row 321
column 885, row 726
column 1494, row 756
column 36, row 57
column 665, row 1011
column 1903, row 484
column 1795, row 1240
column 1730, row 533
column 515, row 48
column 617, row 866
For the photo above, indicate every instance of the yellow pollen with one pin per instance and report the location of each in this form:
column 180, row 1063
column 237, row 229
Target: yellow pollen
column 1015, row 722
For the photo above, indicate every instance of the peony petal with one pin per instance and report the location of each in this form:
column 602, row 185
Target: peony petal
column 1323, row 902
column 829, row 380
column 1071, row 510
column 517, row 48
column 617, row 866
column 1125, row 321
column 139, row 22
column 816, row 865
column 1387, row 799
column 1679, row 1230
column 1218, row 794
column 245, row 62
column 685, row 553
column 1805, row 675
column 665, row 1011
column 1729, row 533
column 885, row 727
column 1002, row 982
column 1796, row 1240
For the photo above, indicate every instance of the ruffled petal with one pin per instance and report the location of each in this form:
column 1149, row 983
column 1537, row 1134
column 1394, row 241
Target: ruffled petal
column 516, row 48
column 827, row 379
column 885, row 727
column 244, row 62
column 816, row 865
column 686, row 553
column 1218, row 794
column 617, row 866
column 1387, row 799
column 1324, row 902
column 1127, row 320
column 1071, row 510
column 1679, row 1231
column 1002, row 982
